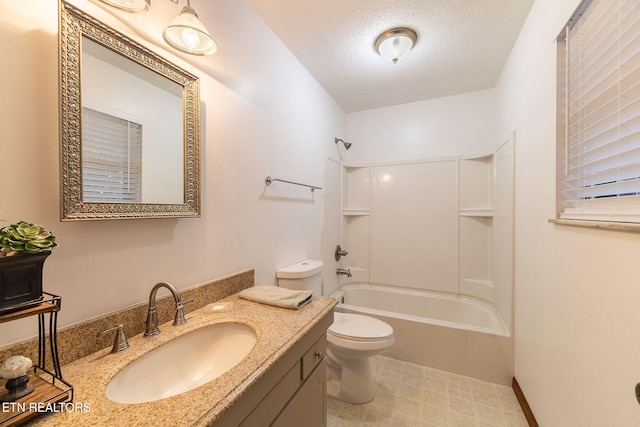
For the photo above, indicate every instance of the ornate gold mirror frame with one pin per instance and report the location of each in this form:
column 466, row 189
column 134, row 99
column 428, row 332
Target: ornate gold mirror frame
column 74, row 25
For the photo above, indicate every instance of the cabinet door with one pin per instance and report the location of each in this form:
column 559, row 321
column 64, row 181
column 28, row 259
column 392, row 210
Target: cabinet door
column 309, row 406
column 277, row 398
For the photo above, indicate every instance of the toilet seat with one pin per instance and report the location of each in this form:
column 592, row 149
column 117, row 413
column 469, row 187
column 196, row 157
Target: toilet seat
column 359, row 328
column 358, row 332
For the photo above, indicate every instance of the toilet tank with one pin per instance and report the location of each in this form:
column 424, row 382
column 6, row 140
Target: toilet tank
column 304, row 275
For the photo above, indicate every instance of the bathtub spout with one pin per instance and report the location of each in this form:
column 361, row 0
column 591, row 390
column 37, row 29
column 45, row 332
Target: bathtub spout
column 344, row 272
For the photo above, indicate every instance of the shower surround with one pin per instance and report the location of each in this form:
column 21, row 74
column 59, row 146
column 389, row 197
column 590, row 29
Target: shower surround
column 431, row 240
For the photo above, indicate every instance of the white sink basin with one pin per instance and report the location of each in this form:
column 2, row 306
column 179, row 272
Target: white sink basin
column 182, row 364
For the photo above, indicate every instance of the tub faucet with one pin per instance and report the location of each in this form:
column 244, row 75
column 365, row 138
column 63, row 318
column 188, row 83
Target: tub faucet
column 152, row 315
column 344, row 272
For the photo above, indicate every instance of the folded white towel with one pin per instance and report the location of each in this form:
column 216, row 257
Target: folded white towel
column 277, row 296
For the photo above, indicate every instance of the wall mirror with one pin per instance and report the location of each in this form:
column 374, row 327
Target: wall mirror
column 129, row 126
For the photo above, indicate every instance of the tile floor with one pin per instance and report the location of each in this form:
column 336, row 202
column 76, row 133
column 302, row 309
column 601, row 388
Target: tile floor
column 413, row 395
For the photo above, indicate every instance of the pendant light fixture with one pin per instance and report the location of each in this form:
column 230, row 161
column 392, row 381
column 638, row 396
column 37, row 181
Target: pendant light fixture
column 138, row 6
column 187, row 34
column 395, row 44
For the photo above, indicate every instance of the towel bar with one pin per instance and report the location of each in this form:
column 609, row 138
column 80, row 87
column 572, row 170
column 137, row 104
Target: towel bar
column 268, row 180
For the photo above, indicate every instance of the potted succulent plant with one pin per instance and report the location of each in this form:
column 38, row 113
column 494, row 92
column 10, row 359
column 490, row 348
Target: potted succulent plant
column 23, row 250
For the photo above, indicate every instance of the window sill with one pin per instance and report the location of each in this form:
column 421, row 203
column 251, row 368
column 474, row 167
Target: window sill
column 603, row 225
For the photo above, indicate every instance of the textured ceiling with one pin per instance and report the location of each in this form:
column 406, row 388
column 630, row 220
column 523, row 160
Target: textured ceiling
column 462, row 45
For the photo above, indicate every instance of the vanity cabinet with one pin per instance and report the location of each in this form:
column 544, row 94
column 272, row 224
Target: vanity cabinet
column 292, row 392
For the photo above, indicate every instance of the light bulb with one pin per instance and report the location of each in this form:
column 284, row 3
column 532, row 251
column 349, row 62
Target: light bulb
column 187, row 34
column 191, row 38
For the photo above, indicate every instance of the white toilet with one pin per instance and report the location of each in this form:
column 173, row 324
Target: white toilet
column 352, row 339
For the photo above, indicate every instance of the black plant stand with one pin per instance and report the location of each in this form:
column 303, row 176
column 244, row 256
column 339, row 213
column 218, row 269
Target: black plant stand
column 50, row 388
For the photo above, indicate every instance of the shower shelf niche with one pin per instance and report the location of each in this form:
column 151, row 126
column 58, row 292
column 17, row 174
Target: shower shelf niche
column 486, row 213
column 485, row 216
column 475, row 211
column 476, row 185
column 355, row 212
column 356, row 191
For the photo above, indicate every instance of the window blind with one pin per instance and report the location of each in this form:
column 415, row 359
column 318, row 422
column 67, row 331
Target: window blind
column 111, row 158
column 602, row 112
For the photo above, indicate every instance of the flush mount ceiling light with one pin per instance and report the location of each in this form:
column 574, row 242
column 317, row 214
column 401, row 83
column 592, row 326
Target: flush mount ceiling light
column 395, row 44
column 139, row 6
column 187, row 34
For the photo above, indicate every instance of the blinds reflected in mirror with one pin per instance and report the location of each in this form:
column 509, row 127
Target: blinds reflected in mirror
column 111, row 158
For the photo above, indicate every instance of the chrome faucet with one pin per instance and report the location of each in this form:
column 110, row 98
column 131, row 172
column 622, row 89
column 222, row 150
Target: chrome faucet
column 344, row 272
column 152, row 315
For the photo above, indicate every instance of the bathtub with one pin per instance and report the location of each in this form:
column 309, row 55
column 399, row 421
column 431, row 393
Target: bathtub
column 454, row 333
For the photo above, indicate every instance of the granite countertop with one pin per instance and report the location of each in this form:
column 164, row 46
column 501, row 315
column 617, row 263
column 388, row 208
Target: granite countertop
column 277, row 330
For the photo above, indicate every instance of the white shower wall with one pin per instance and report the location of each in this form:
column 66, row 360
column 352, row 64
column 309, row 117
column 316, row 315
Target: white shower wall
column 437, row 225
column 414, row 238
column 331, row 221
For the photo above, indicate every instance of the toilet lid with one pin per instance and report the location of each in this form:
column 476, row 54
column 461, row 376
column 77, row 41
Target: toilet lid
column 359, row 327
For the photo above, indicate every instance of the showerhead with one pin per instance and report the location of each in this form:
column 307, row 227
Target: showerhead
column 346, row 144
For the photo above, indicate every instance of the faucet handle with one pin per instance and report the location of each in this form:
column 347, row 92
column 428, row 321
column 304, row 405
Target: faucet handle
column 340, row 253
column 180, row 319
column 120, row 342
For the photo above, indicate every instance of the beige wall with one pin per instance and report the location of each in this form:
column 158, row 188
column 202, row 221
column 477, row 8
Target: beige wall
column 577, row 292
column 262, row 114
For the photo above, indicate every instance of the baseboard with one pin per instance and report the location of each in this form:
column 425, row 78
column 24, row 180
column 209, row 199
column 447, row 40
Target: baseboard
column 526, row 409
